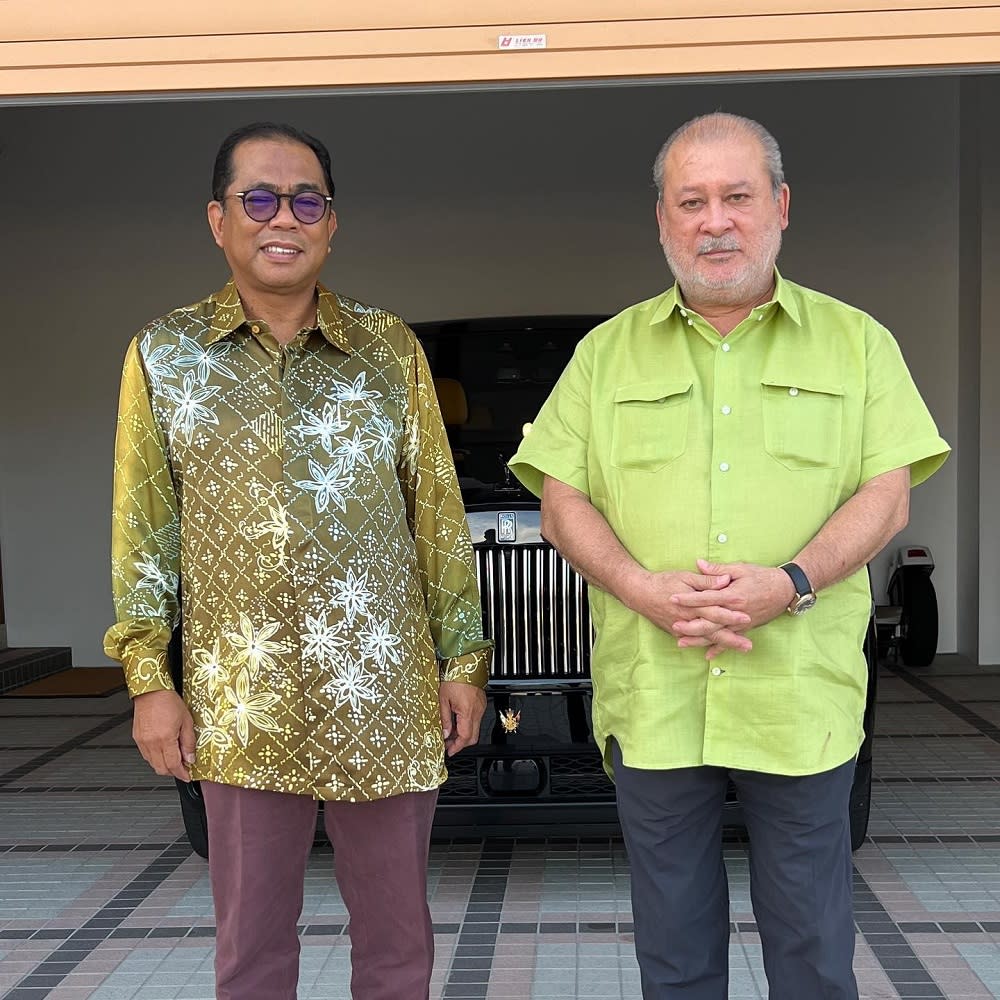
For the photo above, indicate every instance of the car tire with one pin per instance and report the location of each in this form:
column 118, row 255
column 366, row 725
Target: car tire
column 918, row 621
column 861, row 803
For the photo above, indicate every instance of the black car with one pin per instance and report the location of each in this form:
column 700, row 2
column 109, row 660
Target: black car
column 536, row 768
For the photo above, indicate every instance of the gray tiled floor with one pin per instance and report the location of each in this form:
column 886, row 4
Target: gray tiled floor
column 77, row 828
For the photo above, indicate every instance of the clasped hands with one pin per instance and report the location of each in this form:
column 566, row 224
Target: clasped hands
column 715, row 607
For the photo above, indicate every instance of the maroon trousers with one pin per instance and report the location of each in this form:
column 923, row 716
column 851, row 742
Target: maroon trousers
column 258, row 846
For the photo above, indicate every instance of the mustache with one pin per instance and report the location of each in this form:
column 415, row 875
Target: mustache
column 715, row 243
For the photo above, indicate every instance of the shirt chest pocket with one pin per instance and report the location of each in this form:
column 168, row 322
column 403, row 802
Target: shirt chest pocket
column 803, row 422
column 650, row 424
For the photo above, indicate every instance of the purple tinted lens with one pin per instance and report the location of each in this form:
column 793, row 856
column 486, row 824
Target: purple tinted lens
column 261, row 205
column 308, row 207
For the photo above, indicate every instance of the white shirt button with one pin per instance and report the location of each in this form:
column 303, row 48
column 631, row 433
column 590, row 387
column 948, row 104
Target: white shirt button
column 726, row 410
column 684, row 312
column 793, row 391
column 717, row 671
column 725, row 347
column 760, row 315
column 724, row 466
column 723, row 538
column 690, row 322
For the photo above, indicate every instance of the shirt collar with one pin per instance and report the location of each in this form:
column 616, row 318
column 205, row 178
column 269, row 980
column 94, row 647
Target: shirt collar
column 229, row 316
column 783, row 296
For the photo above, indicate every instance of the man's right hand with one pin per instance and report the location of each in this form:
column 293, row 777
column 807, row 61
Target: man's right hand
column 651, row 599
column 163, row 730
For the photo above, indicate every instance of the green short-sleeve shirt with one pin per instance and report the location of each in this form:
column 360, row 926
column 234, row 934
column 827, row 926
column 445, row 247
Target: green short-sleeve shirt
column 734, row 449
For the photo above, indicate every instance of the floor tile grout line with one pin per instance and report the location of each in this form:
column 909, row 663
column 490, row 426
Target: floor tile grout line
column 12, row 748
column 984, row 671
column 84, row 789
column 936, row 779
column 956, row 708
column 56, row 752
column 539, row 928
column 83, row 847
column 929, row 736
column 57, row 965
column 56, row 715
column 729, row 839
column 489, row 887
column 507, row 929
column 900, row 949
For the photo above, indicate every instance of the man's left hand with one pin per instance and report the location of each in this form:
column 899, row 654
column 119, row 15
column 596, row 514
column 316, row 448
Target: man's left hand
column 762, row 592
column 462, row 707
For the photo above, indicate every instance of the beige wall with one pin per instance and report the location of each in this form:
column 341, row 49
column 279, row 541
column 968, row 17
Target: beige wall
column 450, row 205
column 65, row 47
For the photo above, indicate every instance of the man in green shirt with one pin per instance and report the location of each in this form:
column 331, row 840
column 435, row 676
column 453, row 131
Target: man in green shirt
column 280, row 451
column 720, row 462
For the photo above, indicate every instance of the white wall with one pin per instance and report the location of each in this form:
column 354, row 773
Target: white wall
column 449, row 205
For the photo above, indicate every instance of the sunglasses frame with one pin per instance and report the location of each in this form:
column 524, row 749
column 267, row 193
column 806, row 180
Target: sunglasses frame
column 278, row 198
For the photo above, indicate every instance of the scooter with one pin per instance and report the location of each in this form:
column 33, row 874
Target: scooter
column 915, row 636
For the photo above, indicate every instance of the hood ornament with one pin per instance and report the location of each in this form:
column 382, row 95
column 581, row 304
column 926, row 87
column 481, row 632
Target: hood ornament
column 510, row 720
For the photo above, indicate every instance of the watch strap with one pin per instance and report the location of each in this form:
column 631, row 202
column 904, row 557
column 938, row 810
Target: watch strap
column 799, row 579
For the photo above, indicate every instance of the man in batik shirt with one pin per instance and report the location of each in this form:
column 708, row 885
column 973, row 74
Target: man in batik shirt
column 280, row 451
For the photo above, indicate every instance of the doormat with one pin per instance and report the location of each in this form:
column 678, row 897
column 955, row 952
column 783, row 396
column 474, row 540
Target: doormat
column 77, row 682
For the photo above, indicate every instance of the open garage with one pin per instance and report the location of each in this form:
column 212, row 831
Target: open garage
column 475, row 183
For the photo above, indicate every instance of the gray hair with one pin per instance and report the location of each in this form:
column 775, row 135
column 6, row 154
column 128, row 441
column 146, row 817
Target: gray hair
column 722, row 125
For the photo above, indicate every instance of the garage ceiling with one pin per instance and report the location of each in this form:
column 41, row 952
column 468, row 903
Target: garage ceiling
column 105, row 48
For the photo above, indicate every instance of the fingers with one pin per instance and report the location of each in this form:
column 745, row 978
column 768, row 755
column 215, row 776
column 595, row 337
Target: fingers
column 717, row 642
column 187, row 741
column 707, row 581
column 465, row 735
column 164, row 756
column 462, row 708
column 163, row 730
column 711, row 600
column 708, row 619
column 714, row 569
column 172, row 762
column 446, row 716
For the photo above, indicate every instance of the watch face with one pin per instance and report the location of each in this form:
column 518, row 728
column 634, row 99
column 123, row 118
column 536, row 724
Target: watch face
column 802, row 604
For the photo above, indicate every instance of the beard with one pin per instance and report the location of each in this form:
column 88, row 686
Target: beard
column 744, row 284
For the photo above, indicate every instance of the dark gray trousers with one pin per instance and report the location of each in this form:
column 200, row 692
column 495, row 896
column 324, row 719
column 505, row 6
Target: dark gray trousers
column 800, row 879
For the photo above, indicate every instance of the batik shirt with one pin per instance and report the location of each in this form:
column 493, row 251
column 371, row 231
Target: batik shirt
column 303, row 501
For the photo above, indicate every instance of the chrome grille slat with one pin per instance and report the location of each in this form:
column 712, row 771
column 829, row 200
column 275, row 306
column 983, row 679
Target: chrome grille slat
column 535, row 609
column 564, row 592
column 539, row 606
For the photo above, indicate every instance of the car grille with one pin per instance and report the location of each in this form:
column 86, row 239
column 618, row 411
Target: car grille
column 535, row 609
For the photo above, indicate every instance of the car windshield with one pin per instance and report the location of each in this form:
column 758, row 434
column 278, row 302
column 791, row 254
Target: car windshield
column 491, row 377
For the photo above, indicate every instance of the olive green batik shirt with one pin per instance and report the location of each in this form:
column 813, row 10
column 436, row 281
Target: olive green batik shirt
column 734, row 449
column 305, row 499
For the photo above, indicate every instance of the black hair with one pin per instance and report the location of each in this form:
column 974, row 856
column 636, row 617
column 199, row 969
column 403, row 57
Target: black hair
column 222, row 175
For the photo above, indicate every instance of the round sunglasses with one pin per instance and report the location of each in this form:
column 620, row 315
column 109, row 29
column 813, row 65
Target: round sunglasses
column 263, row 205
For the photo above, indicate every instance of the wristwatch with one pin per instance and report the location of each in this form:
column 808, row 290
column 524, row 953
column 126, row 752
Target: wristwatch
column 805, row 596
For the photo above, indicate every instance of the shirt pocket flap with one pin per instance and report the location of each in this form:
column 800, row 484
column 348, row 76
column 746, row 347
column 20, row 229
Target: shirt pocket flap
column 809, row 383
column 651, row 392
column 650, row 424
column 803, row 419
